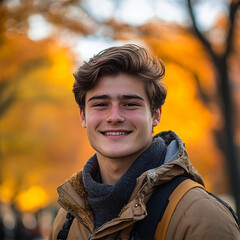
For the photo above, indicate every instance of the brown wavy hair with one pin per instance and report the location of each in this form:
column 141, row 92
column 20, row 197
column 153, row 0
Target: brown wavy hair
column 129, row 59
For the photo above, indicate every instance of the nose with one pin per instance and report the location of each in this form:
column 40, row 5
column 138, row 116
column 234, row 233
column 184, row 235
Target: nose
column 115, row 114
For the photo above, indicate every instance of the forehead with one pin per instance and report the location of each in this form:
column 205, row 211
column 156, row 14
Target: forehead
column 117, row 86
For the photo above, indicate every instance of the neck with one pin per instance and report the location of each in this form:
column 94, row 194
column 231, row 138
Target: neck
column 113, row 169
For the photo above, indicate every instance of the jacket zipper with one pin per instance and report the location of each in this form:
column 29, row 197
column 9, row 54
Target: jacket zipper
column 91, row 234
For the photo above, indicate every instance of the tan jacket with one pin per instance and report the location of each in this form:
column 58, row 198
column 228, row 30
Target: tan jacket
column 197, row 216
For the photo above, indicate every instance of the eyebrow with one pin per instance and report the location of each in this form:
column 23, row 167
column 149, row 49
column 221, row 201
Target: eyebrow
column 132, row 96
column 98, row 97
column 126, row 96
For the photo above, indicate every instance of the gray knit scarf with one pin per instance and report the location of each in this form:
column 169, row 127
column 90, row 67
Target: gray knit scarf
column 107, row 201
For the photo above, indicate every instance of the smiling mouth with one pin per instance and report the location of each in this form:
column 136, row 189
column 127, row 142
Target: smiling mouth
column 115, row 133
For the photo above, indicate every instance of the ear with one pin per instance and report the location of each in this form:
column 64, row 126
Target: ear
column 156, row 117
column 82, row 118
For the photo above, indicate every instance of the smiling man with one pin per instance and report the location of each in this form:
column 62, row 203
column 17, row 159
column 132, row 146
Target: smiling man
column 119, row 123
column 120, row 94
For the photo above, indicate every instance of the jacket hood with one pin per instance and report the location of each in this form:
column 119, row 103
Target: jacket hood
column 176, row 163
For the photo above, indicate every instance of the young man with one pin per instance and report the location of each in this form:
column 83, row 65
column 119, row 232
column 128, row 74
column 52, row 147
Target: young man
column 120, row 94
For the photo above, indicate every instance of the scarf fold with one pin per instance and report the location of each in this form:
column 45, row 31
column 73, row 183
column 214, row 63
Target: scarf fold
column 107, row 201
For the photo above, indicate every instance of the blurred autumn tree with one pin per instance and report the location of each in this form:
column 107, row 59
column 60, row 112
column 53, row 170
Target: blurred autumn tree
column 222, row 56
column 201, row 69
column 40, row 123
column 39, row 119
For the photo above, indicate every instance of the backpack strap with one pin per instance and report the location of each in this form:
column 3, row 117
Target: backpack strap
column 156, row 207
column 174, row 199
column 63, row 233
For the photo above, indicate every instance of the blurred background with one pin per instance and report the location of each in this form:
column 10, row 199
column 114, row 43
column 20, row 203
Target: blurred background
column 42, row 42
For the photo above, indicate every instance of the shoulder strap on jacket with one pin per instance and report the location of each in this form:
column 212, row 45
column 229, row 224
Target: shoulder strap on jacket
column 156, row 207
column 63, row 233
column 174, row 199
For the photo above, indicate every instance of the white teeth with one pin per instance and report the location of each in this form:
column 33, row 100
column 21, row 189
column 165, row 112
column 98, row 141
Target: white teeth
column 115, row 133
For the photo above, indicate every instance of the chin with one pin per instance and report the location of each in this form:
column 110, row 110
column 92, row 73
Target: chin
column 115, row 154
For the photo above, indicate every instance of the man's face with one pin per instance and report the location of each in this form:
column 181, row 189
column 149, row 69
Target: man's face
column 118, row 118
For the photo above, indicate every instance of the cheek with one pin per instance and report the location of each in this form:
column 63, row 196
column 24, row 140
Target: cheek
column 142, row 120
column 93, row 119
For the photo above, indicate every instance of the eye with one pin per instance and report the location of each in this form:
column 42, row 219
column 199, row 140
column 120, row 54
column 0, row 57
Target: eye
column 131, row 104
column 100, row 105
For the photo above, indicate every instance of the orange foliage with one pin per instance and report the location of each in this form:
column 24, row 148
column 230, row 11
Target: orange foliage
column 187, row 68
column 42, row 142
column 184, row 113
column 32, row 199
